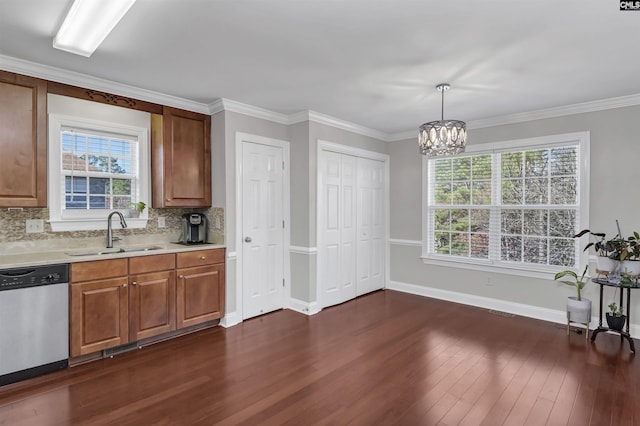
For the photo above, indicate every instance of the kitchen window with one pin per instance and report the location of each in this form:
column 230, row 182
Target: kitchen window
column 508, row 207
column 95, row 168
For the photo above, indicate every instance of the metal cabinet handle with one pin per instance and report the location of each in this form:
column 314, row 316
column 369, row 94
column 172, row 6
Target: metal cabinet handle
column 169, row 199
column 134, row 283
column 203, row 258
column 181, row 276
column 247, row 239
column 124, row 285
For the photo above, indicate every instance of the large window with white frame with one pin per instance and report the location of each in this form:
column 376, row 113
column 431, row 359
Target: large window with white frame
column 95, row 168
column 510, row 206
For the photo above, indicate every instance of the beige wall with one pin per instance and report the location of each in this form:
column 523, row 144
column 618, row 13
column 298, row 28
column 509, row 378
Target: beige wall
column 615, row 153
column 225, row 125
column 302, row 138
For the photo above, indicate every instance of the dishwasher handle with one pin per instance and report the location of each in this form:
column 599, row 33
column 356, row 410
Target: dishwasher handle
column 17, row 273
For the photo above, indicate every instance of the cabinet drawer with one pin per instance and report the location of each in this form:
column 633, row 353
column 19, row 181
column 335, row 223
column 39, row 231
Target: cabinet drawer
column 199, row 257
column 99, row 269
column 158, row 262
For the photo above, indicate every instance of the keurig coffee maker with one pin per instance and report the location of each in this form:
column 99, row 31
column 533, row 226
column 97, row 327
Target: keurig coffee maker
column 194, row 228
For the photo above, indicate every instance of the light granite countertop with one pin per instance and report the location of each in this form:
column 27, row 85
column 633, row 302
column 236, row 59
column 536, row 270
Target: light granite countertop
column 50, row 257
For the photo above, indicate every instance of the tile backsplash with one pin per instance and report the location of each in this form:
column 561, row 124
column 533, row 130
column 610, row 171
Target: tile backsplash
column 14, row 238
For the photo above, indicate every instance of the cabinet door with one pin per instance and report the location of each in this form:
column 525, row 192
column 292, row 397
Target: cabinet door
column 181, row 159
column 152, row 304
column 200, row 295
column 23, row 141
column 99, row 315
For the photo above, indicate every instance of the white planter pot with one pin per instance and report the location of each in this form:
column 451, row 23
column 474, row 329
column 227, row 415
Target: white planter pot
column 579, row 310
column 631, row 267
column 133, row 213
column 605, row 265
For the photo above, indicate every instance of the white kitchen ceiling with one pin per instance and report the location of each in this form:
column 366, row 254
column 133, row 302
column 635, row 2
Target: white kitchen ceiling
column 370, row 62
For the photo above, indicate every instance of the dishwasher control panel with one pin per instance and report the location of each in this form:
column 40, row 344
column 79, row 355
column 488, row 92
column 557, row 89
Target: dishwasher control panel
column 33, row 276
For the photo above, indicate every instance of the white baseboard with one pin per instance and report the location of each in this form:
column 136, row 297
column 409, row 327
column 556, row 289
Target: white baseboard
column 230, row 319
column 545, row 314
column 307, row 308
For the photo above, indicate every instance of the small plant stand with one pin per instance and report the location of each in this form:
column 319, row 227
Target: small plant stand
column 582, row 325
column 624, row 334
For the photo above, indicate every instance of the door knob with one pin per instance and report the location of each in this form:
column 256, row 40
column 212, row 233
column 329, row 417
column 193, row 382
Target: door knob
column 247, row 239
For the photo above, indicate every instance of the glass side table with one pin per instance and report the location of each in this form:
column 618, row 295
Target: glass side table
column 624, row 334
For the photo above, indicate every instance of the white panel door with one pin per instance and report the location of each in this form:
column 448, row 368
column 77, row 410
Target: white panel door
column 370, row 232
column 262, row 229
column 337, row 222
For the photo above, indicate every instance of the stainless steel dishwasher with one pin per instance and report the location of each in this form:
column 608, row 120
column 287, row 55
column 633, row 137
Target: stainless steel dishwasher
column 34, row 321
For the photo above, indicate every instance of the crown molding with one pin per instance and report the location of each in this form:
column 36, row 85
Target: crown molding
column 300, row 117
column 223, row 104
column 580, row 108
column 561, row 111
column 72, row 78
column 317, row 117
column 402, row 136
column 228, row 105
column 216, row 106
column 59, row 75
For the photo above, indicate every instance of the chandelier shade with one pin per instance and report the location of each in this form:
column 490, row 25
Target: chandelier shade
column 442, row 137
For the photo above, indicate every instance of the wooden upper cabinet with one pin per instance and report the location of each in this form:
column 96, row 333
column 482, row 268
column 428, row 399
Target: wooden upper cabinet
column 23, row 141
column 180, row 159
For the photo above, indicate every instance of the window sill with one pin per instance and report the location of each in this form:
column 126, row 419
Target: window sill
column 486, row 266
column 94, row 224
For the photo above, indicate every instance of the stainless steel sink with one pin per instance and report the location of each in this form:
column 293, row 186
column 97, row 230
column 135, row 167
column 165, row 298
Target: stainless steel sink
column 111, row 251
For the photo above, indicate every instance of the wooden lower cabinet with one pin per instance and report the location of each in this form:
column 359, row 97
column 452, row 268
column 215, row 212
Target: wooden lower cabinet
column 117, row 301
column 99, row 315
column 112, row 312
column 200, row 295
column 152, row 296
column 152, row 305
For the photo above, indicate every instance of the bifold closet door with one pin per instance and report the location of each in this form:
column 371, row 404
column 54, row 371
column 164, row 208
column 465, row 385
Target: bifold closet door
column 370, row 226
column 351, row 220
column 337, row 222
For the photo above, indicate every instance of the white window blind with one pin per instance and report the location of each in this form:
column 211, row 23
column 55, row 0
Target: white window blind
column 95, row 167
column 99, row 170
column 514, row 206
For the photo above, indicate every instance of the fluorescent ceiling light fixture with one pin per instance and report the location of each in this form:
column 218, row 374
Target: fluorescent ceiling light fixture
column 88, row 23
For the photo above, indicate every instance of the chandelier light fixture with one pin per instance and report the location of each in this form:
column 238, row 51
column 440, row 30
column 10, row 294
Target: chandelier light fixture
column 442, row 137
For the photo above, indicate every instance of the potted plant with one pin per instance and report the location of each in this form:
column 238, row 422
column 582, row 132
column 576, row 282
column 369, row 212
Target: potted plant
column 630, row 256
column 578, row 308
column 615, row 317
column 607, row 251
column 136, row 208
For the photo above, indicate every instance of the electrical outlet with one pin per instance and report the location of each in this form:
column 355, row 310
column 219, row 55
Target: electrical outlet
column 34, row 226
column 161, row 222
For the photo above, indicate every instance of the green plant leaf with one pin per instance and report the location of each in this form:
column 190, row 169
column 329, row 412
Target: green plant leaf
column 564, row 274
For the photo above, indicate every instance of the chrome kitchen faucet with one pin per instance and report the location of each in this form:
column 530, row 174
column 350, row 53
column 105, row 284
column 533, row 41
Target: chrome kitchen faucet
column 123, row 223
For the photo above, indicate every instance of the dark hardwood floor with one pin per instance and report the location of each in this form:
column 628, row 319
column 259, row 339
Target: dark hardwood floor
column 387, row 358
